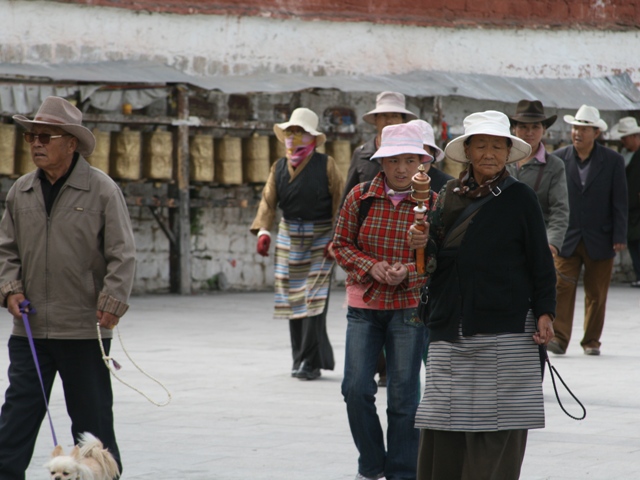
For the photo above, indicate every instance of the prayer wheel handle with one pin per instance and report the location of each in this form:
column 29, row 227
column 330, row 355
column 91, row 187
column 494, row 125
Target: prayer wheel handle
column 420, row 192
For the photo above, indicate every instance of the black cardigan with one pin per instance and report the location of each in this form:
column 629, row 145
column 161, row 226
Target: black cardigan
column 502, row 269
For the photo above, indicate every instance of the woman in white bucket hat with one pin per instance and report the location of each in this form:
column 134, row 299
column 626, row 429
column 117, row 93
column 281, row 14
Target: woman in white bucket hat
column 382, row 295
column 307, row 186
column 491, row 304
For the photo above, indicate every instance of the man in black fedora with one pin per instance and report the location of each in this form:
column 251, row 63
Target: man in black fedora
column 542, row 171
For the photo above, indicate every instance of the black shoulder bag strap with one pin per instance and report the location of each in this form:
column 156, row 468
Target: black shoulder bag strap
column 469, row 210
column 364, row 207
column 474, row 206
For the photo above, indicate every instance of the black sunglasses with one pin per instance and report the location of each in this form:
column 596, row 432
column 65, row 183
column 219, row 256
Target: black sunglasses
column 43, row 138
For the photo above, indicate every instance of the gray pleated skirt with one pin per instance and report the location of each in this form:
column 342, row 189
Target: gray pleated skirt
column 483, row 383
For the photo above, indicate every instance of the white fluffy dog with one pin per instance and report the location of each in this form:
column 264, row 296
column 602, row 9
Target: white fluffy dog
column 88, row 460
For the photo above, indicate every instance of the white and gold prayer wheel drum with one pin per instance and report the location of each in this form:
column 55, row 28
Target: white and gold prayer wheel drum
column 125, row 155
column 228, row 160
column 157, row 155
column 8, row 148
column 340, row 150
column 100, row 156
column 255, row 165
column 24, row 163
column 201, row 158
column 276, row 148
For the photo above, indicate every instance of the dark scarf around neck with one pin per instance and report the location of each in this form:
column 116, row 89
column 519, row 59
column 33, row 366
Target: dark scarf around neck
column 471, row 189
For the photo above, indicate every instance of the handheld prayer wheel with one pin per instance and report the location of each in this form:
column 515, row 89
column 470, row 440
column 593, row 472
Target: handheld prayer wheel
column 420, row 192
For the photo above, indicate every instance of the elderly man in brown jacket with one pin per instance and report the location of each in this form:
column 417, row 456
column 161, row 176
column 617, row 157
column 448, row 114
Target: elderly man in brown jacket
column 66, row 246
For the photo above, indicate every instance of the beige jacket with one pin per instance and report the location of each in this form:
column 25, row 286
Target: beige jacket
column 78, row 260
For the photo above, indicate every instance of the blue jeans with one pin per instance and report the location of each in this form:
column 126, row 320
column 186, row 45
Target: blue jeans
column 403, row 336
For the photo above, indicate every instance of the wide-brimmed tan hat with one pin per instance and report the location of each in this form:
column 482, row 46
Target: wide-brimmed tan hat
column 58, row 112
column 305, row 119
column 490, row 122
column 389, row 102
column 428, row 138
column 625, row 127
column 531, row 111
column 587, row 117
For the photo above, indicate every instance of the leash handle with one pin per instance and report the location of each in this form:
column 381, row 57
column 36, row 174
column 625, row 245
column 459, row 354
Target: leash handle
column 553, row 370
column 25, row 310
column 106, row 358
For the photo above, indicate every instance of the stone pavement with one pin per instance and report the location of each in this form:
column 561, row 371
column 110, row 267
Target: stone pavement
column 237, row 414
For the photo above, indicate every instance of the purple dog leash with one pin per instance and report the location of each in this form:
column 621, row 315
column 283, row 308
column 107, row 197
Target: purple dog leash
column 25, row 310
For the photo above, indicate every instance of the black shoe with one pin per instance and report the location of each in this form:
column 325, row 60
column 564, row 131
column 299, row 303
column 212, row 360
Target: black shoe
column 294, row 369
column 307, row 372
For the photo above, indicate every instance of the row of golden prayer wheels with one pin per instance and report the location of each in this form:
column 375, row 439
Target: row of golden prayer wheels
column 132, row 155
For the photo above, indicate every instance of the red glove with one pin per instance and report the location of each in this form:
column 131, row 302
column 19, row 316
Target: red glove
column 328, row 251
column 263, row 245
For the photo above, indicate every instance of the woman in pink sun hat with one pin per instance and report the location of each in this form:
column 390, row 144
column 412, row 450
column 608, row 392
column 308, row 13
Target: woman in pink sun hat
column 382, row 296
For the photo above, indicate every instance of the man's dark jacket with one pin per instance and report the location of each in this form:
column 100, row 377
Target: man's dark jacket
column 598, row 211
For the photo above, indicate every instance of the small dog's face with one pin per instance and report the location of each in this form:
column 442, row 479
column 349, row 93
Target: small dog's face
column 64, row 467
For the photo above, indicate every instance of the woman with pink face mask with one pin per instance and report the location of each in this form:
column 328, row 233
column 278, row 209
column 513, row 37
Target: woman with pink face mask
column 307, row 186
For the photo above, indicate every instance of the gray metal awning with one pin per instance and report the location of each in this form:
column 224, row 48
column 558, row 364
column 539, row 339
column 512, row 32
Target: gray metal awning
column 614, row 93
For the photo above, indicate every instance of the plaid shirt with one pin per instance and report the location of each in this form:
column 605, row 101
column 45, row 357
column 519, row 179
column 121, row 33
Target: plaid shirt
column 382, row 236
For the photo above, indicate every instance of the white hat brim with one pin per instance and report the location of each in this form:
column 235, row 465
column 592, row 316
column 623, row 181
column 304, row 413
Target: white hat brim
column 279, row 129
column 519, row 148
column 617, row 135
column 439, row 152
column 601, row 124
column 370, row 117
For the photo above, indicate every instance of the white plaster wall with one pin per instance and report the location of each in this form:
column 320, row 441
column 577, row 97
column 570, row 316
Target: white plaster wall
column 239, row 45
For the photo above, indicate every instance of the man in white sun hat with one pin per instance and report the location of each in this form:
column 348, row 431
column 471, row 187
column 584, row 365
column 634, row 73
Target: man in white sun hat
column 628, row 131
column 597, row 228
column 66, row 245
